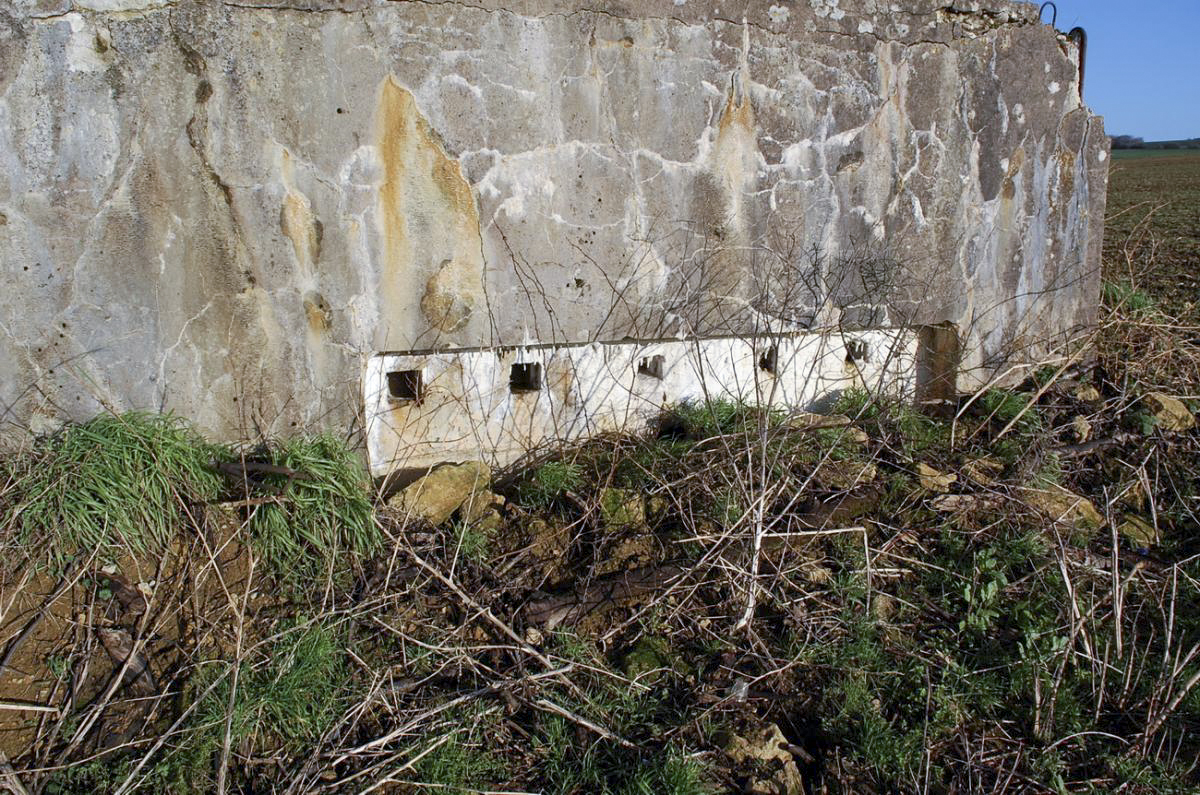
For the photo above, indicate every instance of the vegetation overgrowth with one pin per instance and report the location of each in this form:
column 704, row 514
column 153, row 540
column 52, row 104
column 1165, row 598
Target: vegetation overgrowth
column 1003, row 596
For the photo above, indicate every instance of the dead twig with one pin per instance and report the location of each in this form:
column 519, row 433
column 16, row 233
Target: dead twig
column 9, row 779
column 550, row 706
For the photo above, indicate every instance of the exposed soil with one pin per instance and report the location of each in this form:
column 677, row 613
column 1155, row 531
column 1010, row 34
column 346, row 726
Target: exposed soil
column 67, row 636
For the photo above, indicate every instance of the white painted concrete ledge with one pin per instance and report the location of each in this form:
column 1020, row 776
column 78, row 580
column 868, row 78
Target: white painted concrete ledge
column 457, row 405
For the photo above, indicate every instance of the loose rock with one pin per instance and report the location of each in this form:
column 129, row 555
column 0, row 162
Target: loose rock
column 1064, row 506
column 1170, row 413
column 489, row 523
column 847, row 474
column 808, row 421
column 479, row 505
column 765, row 749
column 954, row 503
column 436, row 496
column 631, row 552
column 1140, row 533
column 620, row 508
column 648, row 660
column 934, row 480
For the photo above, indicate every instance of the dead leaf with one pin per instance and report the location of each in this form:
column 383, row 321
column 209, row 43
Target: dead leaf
column 954, row 503
column 985, row 471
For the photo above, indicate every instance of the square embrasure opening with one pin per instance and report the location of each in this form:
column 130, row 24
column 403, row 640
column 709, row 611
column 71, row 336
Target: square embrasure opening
column 857, row 351
column 525, row 377
column 768, row 360
column 405, row 385
column 652, row 366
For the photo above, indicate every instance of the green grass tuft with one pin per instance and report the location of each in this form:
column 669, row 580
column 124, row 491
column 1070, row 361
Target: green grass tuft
column 1004, row 405
column 704, row 420
column 288, row 694
column 290, row 691
column 1127, row 297
column 856, row 403
column 548, row 482
column 117, row 482
column 464, row 763
column 472, row 543
column 322, row 513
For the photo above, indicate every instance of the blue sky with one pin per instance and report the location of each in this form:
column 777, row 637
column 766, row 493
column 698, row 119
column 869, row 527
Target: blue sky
column 1143, row 64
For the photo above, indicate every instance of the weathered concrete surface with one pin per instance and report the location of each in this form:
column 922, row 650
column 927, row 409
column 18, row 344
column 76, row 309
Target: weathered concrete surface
column 226, row 209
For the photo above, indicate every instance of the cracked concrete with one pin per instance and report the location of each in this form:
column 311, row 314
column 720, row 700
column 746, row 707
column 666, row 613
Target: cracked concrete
column 226, row 209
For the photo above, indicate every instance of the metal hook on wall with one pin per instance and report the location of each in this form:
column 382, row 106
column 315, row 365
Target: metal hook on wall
column 1053, row 16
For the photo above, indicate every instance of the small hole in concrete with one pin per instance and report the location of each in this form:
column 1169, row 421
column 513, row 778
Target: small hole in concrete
column 405, row 385
column 769, row 359
column 525, row 377
column 856, row 351
column 652, row 366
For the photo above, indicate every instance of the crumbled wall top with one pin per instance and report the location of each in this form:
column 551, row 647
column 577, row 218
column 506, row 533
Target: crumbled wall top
column 223, row 208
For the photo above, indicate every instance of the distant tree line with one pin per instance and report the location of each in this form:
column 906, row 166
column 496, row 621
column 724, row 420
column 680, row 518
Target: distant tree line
column 1136, row 142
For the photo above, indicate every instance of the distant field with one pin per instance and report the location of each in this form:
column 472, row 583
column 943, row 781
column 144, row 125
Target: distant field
column 1134, row 154
column 1152, row 226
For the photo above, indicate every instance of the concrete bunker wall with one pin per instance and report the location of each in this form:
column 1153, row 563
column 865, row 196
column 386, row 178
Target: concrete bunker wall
column 252, row 215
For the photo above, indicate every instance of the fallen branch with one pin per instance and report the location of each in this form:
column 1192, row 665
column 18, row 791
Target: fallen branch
column 1096, row 445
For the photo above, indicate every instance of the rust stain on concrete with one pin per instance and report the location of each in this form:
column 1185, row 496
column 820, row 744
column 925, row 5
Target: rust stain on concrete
column 1066, row 172
column 1015, row 163
column 734, row 164
column 297, row 222
column 738, row 114
column 736, row 147
column 733, row 169
column 316, row 310
column 429, row 223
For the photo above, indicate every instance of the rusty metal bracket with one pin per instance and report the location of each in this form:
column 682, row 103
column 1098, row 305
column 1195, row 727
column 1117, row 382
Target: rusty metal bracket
column 1079, row 36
